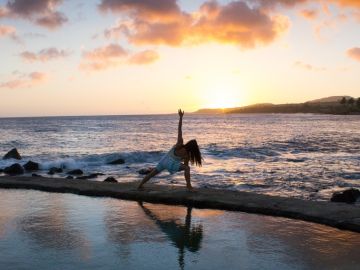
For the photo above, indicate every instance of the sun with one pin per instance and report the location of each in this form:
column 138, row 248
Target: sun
column 222, row 95
column 221, row 99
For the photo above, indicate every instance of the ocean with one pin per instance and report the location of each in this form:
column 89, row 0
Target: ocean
column 293, row 155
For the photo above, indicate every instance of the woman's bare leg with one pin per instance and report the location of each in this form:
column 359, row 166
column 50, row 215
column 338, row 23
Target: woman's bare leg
column 148, row 177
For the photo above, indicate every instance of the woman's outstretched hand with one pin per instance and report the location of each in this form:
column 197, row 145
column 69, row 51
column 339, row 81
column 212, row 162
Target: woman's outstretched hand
column 181, row 113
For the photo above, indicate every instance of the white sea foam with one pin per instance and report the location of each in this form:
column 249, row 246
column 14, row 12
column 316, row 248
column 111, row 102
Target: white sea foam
column 289, row 155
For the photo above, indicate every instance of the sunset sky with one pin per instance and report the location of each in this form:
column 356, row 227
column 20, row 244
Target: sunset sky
column 98, row 57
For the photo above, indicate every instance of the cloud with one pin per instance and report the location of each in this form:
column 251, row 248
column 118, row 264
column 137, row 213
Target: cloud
column 41, row 12
column 309, row 14
column 103, row 57
column 283, row 3
column 348, row 3
column 150, row 9
column 354, row 53
column 293, row 3
column 9, row 31
column 114, row 55
column 309, row 67
column 44, row 55
column 24, row 80
column 6, row 30
column 144, row 57
column 236, row 22
column 116, row 31
column 3, row 12
column 52, row 20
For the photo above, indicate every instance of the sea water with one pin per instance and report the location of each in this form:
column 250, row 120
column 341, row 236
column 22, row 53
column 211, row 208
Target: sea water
column 294, row 155
column 40, row 230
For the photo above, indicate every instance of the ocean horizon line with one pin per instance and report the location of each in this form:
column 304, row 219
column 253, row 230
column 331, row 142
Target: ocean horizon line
column 86, row 115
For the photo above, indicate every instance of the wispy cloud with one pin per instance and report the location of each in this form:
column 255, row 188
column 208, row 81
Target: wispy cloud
column 113, row 55
column 6, row 30
column 309, row 14
column 354, row 53
column 103, row 57
column 309, row 67
column 9, row 31
column 41, row 12
column 44, row 55
column 144, row 57
column 20, row 80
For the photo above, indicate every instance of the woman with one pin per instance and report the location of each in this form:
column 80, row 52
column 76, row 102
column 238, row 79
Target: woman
column 178, row 158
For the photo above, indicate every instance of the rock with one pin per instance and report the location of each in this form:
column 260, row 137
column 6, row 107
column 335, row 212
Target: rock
column 1, row 170
column 110, row 180
column 347, row 196
column 13, row 153
column 84, row 177
column 54, row 170
column 31, row 166
column 14, row 169
column 145, row 170
column 36, row 175
column 69, row 177
column 90, row 176
column 75, row 172
column 117, row 161
column 93, row 175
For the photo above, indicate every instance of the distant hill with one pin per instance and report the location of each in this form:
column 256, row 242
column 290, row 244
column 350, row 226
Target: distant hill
column 328, row 105
column 329, row 99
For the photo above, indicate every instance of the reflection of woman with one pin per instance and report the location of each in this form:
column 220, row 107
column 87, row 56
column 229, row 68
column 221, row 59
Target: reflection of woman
column 178, row 158
column 182, row 235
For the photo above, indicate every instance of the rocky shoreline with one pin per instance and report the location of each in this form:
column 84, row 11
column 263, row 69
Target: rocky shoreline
column 339, row 215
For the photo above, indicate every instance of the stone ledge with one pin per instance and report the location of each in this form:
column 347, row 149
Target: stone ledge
column 339, row 215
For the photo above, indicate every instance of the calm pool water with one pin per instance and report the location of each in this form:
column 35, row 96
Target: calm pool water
column 40, row 230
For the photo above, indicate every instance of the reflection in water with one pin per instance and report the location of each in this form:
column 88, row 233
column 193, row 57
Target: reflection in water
column 314, row 245
column 49, row 228
column 182, row 235
column 125, row 225
column 39, row 230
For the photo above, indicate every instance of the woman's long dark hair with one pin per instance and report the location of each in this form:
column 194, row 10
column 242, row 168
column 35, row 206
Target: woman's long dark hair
column 194, row 152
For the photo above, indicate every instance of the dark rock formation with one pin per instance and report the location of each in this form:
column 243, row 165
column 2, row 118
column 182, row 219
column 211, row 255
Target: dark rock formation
column 90, row 176
column 110, row 180
column 145, row 170
column 69, row 177
column 117, row 161
column 36, row 175
column 75, row 172
column 54, row 170
column 31, row 166
column 347, row 196
column 13, row 153
column 14, row 169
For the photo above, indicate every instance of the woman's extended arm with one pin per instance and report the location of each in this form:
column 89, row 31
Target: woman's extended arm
column 180, row 140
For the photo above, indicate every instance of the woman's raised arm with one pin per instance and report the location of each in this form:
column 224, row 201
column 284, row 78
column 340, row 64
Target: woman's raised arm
column 180, row 140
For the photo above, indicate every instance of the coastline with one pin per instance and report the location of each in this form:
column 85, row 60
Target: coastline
column 338, row 215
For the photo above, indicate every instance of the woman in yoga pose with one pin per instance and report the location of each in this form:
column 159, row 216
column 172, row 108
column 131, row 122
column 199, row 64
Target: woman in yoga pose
column 178, row 158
